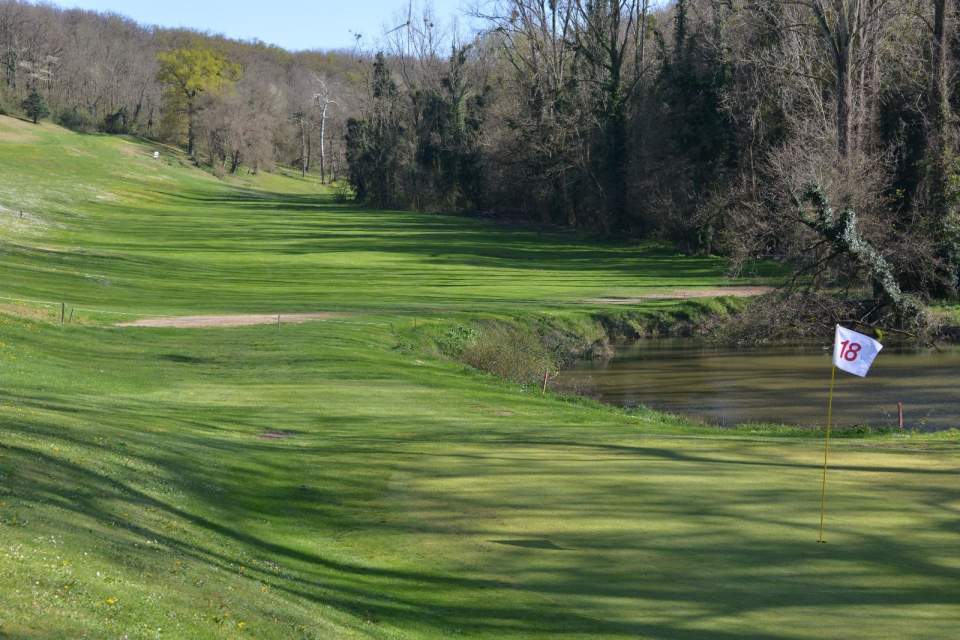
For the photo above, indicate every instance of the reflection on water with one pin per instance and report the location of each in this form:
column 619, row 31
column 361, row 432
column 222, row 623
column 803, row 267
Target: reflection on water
column 777, row 384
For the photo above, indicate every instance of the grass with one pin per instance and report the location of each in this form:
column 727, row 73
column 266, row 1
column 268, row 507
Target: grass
column 123, row 232
column 318, row 482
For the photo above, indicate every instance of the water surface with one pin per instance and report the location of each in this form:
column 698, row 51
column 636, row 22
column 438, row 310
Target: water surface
column 776, row 384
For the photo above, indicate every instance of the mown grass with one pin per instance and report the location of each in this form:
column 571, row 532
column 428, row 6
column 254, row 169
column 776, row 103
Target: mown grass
column 124, row 232
column 329, row 481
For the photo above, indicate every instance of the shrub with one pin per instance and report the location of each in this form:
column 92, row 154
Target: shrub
column 455, row 340
column 75, row 120
column 510, row 353
column 116, row 123
column 343, row 192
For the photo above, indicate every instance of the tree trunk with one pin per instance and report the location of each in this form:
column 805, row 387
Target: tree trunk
column 303, row 147
column 844, row 236
column 191, row 133
column 139, row 107
column 844, row 98
column 868, row 97
column 839, row 28
column 616, row 123
column 323, row 145
column 939, row 111
column 309, row 150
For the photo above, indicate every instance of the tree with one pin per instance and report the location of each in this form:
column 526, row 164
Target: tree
column 842, row 235
column 448, row 119
column 190, row 72
column 35, row 106
column 324, row 99
column 941, row 201
column 542, row 156
column 694, row 136
column 610, row 41
column 848, row 31
column 12, row 21
column 377, row 149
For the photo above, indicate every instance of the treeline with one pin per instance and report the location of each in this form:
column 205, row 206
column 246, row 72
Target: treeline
column 231, row 104
column 820, row 133
column 817, row 132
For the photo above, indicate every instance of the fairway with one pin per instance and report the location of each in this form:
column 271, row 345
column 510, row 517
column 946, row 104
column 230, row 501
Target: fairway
column 324, row 480
column 117, row 230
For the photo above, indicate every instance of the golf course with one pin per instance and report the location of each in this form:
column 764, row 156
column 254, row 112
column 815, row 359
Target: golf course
column 166, row 473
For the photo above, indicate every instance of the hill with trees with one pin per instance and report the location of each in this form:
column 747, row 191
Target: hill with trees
column 817, row 133
column 235, row 105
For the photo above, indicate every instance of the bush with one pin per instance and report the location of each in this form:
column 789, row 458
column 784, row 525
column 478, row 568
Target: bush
column 510, row 353
column 455, row 340
column 520, row 350
column 116, row 123
column 75, row 120
column 343, row 192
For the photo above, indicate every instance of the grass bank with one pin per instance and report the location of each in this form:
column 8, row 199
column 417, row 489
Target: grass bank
column 524, row 347
column 327, row 480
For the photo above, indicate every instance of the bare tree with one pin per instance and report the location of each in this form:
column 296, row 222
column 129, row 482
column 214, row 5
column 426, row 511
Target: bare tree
column 12, row 22
column 848, row 31
column 610, row 37
column 324, row 99
column 537, row 40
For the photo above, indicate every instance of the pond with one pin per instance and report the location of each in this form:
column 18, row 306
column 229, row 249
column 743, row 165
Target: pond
column 782, row 384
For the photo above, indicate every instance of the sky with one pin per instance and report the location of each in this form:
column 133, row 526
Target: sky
column 292, row 24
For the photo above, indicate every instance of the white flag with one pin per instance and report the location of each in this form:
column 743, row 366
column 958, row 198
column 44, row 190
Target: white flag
column 854, row 352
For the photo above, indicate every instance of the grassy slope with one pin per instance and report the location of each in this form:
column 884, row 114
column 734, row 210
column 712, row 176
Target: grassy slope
column 131, row 234
column 413, row 498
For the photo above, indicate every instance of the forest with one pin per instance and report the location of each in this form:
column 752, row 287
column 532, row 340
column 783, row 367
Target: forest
column 819, row 134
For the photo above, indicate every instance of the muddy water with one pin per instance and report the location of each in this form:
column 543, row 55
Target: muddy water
column 784, row 384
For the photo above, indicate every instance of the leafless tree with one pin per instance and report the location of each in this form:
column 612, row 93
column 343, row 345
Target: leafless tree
column 324, row 98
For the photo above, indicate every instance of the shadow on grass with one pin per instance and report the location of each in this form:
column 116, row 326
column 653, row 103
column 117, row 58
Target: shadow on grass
column 539, row 591
column 450, row 240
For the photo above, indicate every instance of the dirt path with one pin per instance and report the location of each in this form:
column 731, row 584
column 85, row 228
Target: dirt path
column 684, row 294
column 247, row 320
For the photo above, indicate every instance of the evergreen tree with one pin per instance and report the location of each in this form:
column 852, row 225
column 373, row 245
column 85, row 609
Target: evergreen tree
column 35, row 106
column 376, row 146
column 448, row 122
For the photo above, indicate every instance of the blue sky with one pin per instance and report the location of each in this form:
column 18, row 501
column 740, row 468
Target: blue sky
column 293, row 24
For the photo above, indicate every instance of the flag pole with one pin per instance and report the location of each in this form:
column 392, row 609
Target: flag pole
column 826, row 451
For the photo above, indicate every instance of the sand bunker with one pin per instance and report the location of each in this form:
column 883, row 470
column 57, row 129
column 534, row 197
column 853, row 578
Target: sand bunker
column 684, row 294
column 246, row 320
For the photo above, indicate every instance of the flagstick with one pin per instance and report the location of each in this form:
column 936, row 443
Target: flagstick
column 826, row 451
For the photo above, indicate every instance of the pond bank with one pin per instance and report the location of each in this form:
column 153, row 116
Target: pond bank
column 524, row 347
column 596, row 355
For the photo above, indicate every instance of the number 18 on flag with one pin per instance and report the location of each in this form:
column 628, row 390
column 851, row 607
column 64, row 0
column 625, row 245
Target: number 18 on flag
column 854, row 352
